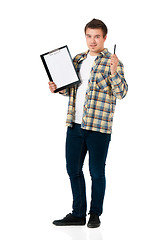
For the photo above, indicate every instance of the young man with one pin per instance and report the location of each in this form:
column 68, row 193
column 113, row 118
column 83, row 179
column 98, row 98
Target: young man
column 89, row 120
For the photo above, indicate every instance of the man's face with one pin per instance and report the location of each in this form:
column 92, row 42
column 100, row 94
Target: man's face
column 95, row 40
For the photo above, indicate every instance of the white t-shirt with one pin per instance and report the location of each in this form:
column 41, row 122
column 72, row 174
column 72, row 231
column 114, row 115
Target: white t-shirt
column 84, row 75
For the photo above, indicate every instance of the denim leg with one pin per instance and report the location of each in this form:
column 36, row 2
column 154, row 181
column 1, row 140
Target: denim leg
column 75, row 153
column 97, row 144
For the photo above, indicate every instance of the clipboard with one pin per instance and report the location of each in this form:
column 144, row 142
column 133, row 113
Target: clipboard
column 59, row 68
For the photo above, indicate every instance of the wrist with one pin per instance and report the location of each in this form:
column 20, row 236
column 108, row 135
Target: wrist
column 113, row 73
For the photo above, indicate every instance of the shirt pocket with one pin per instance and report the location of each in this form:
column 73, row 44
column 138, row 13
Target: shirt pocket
column 102, row 81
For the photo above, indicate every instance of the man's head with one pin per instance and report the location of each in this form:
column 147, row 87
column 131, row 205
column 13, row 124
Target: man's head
column 96, row 23
column 96, row 33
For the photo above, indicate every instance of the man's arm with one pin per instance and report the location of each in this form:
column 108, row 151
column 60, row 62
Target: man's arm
column 116, row 79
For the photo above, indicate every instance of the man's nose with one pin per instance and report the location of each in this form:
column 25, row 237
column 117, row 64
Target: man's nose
column 93, row 40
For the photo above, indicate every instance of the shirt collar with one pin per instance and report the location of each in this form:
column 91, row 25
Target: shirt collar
column 83, row 56
column 102, row 54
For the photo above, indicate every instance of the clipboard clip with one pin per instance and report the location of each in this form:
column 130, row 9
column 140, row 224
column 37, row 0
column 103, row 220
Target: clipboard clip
column 54, row 51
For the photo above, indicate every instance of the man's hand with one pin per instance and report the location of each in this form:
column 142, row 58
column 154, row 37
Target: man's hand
column 52, row 86
column 113, row 63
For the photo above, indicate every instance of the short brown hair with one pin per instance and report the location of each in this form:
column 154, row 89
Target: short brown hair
column 96, row 23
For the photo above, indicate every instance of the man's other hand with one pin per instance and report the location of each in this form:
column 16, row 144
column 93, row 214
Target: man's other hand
column 52, row 86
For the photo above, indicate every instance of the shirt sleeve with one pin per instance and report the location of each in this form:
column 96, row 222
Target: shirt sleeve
column 66, row 92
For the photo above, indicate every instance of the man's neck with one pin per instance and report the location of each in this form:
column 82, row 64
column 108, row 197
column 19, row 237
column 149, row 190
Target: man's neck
column 95, row 53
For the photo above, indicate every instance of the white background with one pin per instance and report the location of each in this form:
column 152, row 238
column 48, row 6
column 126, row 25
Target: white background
column 34, row 186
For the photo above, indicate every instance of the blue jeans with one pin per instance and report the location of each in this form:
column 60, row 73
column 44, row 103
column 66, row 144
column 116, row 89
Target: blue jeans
column 78, row 142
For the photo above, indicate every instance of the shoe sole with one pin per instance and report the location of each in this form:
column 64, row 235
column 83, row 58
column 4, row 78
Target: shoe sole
column 68, row 224
column 93, row 225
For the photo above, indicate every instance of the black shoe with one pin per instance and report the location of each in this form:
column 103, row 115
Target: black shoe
column 94, row 221
column 70, row 220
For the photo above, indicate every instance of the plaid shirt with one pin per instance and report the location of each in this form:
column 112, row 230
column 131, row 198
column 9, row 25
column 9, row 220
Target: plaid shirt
column 102, row 91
